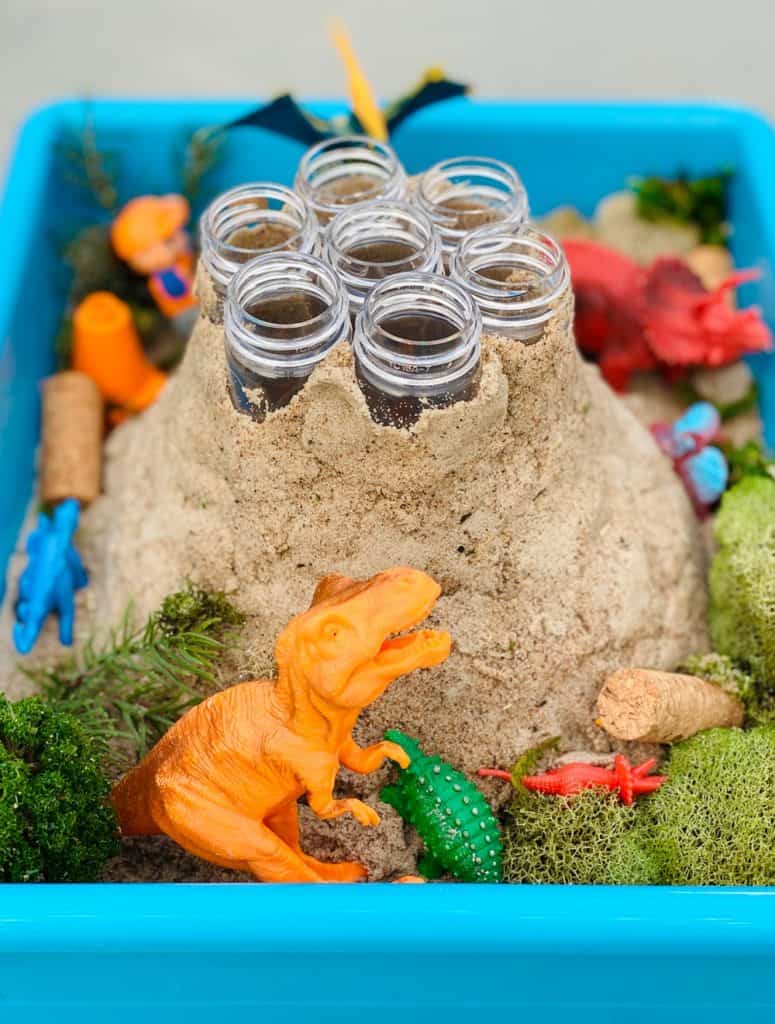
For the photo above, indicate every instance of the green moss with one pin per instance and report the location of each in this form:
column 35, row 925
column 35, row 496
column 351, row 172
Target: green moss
column 742, row 579
column 720, row 669
column 587, row 839
column 196, row 610
column 713, row 822
column 56, row 824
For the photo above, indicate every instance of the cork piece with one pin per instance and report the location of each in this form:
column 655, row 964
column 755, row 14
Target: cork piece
column 660, row 707
column 71, row 447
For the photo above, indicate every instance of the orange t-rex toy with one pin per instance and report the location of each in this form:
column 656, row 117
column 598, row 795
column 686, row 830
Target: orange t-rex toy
column 225, row 779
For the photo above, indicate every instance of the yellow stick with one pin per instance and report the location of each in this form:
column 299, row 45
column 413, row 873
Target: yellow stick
column 365, row 106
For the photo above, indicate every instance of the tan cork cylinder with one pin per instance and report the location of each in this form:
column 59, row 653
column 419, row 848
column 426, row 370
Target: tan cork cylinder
column 660, row 707
column 71, row 446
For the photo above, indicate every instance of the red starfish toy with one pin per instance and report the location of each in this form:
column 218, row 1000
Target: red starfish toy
column 572, row 778
column 632, row 318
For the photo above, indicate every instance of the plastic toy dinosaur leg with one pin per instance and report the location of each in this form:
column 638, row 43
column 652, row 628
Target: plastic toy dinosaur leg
column 229, row 837
column 275, row 861
column 65, row 603
column 366, row 760
column 285, row 824
column 208, row 855
column 80, row 575
column 429, row 867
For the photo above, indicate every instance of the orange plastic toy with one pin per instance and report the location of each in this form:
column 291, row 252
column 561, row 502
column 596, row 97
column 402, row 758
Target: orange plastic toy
column 149, row 235
column 106, row 346
column 225, row 779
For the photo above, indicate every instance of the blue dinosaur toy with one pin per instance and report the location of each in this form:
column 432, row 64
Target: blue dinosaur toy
column 53, row 574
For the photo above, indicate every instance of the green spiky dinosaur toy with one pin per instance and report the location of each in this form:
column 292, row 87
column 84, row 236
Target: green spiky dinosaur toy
column 460, row 832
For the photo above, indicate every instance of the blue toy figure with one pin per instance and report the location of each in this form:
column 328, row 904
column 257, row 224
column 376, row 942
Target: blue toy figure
column 53, row 574
column 700, row 464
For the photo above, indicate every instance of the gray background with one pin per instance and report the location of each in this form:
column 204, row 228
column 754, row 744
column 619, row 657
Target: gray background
column 252, row 48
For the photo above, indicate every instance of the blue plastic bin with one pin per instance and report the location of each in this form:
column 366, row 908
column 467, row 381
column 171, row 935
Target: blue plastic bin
column 115, row 953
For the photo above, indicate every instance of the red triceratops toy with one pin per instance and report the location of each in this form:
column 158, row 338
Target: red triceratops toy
column 632, row 318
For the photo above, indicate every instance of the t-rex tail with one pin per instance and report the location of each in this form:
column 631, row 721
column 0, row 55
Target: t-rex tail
column 130, row 801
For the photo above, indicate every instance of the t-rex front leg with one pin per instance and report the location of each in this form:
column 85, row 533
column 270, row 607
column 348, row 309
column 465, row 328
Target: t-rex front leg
column 320, row 797
column 316, row 771
column 365, row 760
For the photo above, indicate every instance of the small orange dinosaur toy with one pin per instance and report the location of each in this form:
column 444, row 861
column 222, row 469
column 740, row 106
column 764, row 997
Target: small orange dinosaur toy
column 225, row 779
column 149, row 235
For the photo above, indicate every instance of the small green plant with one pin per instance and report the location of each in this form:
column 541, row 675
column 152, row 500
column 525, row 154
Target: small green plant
column 56, row 823
column 130, row 690
column 95, row 267
column 201, row 155
column 90, row 167
column 196, row 610
column 703, row 202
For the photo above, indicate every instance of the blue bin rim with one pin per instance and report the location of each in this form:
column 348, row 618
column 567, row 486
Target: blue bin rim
column 475, row 920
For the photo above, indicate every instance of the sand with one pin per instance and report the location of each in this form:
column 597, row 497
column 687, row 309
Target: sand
column 564, row 543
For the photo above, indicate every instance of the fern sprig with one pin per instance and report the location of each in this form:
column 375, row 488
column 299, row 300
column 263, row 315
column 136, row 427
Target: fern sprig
column 128, row 691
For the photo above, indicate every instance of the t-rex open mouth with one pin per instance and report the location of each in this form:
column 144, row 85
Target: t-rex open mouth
column 397, row 656
column 419, row 642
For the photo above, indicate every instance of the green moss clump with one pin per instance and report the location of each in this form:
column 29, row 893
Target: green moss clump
column 587, row 839
column 196, row 610
column 713, row 822
column 742, row 579
column 56, row 824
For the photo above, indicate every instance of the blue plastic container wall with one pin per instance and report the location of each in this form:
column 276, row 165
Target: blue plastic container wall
column 384, row 953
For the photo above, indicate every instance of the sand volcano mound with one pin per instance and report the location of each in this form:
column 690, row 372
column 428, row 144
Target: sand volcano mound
column 563, row 541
